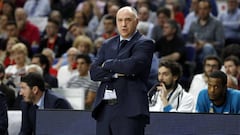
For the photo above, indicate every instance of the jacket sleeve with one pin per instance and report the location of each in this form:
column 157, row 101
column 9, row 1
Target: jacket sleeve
column 97, row 72
column 140, row 58
column 62, row 104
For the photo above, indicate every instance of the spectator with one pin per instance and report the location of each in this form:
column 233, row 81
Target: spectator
column 42, row 61
column 3, row 24
column 163, row 14
column 83, row 44
column 231, row 67
column 232, row 49
column 83, row 80
column 144, row 16
column 148, row 5
column 53, row 40
column 169, row 95
column 27, row 30
column 57, row 16
column 211, row 63
column 190, row 18
column 6, row 57
column 92, row 12
column 170, row 46
column 35, row 96
column 97, row 45
column 206, row 34
column 67, row 71
column 51, row 58
column 109, row 24
column 8, row 9
column 112, row 9
column 13, row 32
column 81, row 18
column 231, row 22
column 217, row 98
column 14, row 72
column 66, row 7
column 176, row 14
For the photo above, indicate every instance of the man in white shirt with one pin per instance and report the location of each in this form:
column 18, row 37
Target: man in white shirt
column 169, row 95
column 199, row 82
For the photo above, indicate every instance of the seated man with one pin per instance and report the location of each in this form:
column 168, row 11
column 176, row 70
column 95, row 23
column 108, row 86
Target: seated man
column 169, row 95
column 211, row 63
column 218, row 98
column 3, row 115
column 206, row 34
column 43, row 62
column 35, row 96
column 83, row 80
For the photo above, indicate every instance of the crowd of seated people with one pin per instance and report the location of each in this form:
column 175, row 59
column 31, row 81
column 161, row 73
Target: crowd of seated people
column 71, row 33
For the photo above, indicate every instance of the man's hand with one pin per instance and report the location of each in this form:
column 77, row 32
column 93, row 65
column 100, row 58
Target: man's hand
column 163, row 93
column 200, row 44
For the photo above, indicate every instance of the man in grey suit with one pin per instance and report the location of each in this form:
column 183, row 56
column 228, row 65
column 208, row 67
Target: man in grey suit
column 122, row 67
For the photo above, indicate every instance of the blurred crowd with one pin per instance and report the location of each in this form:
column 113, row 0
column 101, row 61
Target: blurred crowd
column 61, row 38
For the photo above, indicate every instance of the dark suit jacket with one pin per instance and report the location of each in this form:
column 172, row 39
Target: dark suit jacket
column 51, row 101
column 133, row 60
column 10, row 95
column 3, row 115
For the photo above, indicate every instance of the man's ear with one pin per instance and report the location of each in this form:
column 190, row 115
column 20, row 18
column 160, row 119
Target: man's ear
column 35, row 89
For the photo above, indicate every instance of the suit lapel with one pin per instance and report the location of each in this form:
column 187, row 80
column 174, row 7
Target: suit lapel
column 129, row 44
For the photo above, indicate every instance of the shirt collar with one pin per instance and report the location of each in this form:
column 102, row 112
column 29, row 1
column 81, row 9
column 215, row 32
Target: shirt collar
column 40, row 102
column 128, row 39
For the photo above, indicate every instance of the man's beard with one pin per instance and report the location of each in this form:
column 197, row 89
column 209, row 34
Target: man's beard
column 169, row 86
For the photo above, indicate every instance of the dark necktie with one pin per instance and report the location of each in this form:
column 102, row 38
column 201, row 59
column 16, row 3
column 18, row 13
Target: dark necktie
column 33, row 9
column 36, row 106
column 122, row 44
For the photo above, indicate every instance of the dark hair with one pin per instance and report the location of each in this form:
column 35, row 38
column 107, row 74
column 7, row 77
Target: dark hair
column 34, row 79
column 164, row 11
column 174, row 67
column 209, row 3
column 109, row 17
column 220, row 75
column 232, row 49
column 54, row 22
column 213, row 57
column 173, row 24
column 10, row 4
column 234, row 59
column 43, row 61
column 85, row 57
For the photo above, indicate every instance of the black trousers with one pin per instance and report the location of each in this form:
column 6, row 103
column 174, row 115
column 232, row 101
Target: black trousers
column 111, row 122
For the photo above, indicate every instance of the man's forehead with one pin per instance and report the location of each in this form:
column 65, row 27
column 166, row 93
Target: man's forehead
column 214, row 80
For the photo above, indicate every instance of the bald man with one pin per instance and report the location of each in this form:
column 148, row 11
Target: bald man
column 27, row 30
column 123, row 65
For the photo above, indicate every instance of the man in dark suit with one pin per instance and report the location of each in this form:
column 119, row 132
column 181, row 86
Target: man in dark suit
column 121, row 105
column 32, row 89
column 3, row 115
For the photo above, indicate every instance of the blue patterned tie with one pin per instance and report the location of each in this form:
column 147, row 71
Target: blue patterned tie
column 33, row 9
